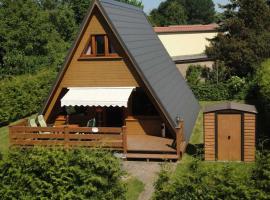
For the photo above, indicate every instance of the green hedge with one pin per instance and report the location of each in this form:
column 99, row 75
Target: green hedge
column 224, row 182
column 211, row 92
column 61, row 174
column 24, row 95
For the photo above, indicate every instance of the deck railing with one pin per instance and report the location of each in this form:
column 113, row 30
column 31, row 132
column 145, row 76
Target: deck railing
column 106, row 137
column 180, row 140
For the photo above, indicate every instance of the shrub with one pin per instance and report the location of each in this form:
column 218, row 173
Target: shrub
column 261, row 174
column 24, row 95
column 194, row 74
column 207, row 181
column 264, row 80
column 60, row 174
column 211, row 92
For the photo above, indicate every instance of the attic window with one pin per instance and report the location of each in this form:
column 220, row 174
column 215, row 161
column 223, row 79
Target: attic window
column 99, row 46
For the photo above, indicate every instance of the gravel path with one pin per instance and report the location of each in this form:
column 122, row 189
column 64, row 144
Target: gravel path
column 146, row 172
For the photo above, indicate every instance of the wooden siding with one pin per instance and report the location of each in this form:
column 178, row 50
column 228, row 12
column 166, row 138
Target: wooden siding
column 249, row 137
column 143, row 125
column 95, row 72
column 209, row 136
column 100, row 71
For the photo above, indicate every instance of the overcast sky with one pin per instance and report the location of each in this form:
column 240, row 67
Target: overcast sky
column 150, row 4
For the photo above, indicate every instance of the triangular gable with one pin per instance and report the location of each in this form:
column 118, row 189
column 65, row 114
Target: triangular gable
column 151, row 61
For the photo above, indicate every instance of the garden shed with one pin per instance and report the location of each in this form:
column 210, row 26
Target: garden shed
column 230, row 132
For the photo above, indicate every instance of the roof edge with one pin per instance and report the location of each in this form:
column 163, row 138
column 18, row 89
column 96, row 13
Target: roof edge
column 68, row 58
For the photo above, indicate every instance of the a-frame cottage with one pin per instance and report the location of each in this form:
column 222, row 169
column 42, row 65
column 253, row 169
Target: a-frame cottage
column 118, row 88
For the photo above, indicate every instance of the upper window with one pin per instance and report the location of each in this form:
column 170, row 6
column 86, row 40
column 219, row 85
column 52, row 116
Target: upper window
column 98, row 46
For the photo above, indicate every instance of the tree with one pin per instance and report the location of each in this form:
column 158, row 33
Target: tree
column 170, row 12
column 28, row 40
column 174, row 12
column 80, row 7
column 244, row 38
column 263, row 76
column 199, row 11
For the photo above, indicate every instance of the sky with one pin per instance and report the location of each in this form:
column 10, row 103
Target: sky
column 150, row 4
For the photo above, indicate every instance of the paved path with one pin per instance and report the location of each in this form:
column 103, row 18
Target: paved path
column 146, row 172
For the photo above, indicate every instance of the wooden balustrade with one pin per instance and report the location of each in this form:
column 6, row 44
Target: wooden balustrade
column 106, row 137
column 180, row 139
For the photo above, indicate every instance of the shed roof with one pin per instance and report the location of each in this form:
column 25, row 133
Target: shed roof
column 231, row 106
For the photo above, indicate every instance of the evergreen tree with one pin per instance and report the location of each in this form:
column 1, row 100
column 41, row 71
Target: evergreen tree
column 170, row 12
column 174, row 12
column 200, row 11
column 244, row 39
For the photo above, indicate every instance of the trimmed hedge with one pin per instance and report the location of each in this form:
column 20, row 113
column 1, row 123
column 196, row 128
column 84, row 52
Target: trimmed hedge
column 61, row 174
column 24, row 95
column 211, row 92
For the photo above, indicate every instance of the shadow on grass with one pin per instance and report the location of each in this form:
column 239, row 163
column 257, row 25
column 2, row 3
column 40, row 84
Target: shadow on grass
column 195, row 150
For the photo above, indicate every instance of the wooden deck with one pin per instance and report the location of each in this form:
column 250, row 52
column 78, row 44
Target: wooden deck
column 148, row 143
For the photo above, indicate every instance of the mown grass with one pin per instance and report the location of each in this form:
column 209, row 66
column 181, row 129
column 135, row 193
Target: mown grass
column 134, row 188
column 4, row 141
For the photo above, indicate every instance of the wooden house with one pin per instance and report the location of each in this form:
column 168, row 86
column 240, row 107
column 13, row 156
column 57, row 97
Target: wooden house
column 119, row 75
column 230, row 132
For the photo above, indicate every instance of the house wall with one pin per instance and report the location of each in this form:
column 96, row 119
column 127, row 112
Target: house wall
column 180, row 44
column 143, row 125
column 94, row 72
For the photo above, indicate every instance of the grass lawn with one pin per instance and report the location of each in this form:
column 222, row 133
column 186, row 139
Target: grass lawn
column 196, row 142
column 134, row 188
column 4, row 142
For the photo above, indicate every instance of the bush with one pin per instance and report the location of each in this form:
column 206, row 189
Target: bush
column 264, row 80
column 60, row 174
column 211, row 92
column 212, row 182
column 194, row 74
column 24, row 95
column 216, row 85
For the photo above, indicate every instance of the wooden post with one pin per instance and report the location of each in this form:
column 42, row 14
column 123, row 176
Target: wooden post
column 179, row 138
column 124, row 136
column 66, row 139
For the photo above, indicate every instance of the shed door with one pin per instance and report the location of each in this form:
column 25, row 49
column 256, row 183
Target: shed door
column 229, row 137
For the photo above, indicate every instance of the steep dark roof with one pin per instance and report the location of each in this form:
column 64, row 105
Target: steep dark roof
column 231, row 106
column 152, row 62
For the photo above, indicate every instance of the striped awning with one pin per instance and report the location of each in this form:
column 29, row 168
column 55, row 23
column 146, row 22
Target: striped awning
column 97, row 96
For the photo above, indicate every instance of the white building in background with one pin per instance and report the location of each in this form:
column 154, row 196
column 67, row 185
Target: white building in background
column 186, row 44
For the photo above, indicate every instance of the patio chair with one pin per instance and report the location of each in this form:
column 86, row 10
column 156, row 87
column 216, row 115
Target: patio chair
column 32, row 123
column 41, row 121
column 91, row 123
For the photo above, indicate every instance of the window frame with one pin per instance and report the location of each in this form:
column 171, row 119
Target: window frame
column 92, row 41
